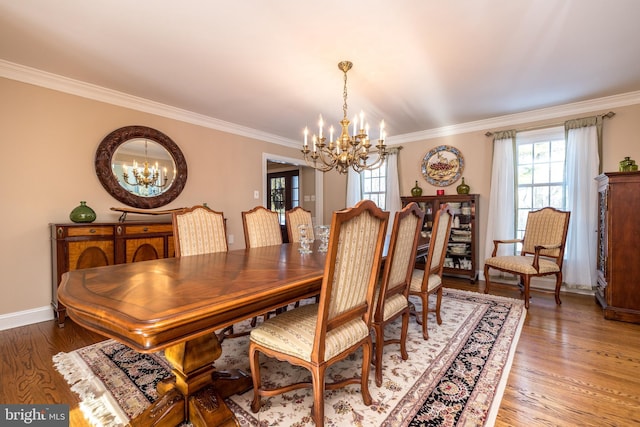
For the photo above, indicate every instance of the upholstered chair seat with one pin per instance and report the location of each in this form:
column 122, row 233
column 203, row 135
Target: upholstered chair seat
column 293, row 332
column 523, row 265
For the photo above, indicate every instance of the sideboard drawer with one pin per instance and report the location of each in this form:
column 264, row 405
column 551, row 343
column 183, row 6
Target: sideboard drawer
column 147, row 228
column 85, row 231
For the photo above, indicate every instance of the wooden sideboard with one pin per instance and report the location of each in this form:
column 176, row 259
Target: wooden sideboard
column 78, row 246
column 618, row 260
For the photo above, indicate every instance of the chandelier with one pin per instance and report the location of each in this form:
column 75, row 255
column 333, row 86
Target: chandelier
column 147, row 177
column 348, row 150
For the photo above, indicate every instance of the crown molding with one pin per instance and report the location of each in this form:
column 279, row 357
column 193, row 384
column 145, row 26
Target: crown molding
column 510, row 120
column 48, row 80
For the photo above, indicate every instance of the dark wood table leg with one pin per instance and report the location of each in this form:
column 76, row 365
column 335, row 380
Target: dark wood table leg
column 197, row 392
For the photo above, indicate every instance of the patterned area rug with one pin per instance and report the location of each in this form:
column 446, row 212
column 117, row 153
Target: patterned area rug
column 456, row 378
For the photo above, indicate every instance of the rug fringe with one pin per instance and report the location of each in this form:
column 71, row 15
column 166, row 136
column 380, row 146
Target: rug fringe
column 96, row 402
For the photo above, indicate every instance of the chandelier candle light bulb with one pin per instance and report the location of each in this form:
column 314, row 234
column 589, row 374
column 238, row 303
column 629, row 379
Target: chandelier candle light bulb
column 349, row 151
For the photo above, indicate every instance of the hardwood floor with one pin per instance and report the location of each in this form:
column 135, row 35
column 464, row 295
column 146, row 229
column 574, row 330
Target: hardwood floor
column 572, row 367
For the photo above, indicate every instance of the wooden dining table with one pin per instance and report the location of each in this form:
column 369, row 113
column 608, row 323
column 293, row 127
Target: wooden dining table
column 176, row 304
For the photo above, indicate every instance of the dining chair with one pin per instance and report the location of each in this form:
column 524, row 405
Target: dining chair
column 542, row 251
column 295, row 217
column 429, row 281
column 199, row 230
column 391, row 299
column 315, row 336
column 261, row 227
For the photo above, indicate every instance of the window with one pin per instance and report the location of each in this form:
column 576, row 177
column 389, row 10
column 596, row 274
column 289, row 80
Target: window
column 540, row 173
column 374, row 185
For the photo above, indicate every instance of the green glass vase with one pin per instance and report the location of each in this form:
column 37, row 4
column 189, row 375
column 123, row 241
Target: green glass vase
column 463, row 188
column 416, row 191
column 82, row 213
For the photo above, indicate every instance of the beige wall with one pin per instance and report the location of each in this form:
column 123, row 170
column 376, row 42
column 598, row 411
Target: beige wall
column 49, row 141
column 47, row 166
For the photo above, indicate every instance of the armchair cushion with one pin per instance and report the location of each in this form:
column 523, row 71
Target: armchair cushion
column 523, row 264
column 293, row 331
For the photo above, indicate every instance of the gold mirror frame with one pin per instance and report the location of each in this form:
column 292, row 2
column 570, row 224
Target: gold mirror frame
column 104, row 160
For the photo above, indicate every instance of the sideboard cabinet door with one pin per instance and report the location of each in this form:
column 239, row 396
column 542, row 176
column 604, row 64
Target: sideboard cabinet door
column 75, row 247
column 79, row 246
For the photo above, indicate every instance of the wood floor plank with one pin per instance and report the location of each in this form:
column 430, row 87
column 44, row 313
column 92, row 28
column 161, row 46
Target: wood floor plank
column 571, row 368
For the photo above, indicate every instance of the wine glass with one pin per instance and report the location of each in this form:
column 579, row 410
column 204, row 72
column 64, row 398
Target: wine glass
column 322, row 232
column 305, row 238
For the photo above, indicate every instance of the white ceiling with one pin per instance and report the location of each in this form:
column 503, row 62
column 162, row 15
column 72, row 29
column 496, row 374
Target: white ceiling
column 271, row 65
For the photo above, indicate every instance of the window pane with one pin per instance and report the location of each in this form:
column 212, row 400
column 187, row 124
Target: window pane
column 541, row 173
column 557, row 151
column 522, row 218
column 525, row 174
column 524, row 197
column 541, row 152
column 556, row 196
column 556, row 172
column 525, row 154
column 540, row 197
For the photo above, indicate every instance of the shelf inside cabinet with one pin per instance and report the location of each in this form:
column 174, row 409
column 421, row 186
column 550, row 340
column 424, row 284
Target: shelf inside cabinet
column 461, row 255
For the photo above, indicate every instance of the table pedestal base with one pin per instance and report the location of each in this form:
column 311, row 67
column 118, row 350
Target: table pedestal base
column 197, row 391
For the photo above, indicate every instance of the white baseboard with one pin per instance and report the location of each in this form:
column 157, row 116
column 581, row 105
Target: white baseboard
column 26, row 317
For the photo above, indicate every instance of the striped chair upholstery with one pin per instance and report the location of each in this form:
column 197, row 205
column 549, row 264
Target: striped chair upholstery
column 261, row 227
column 542, row 251
column 199, row 230
column 315, row 336
column 295, row 217
column 391, row 297
column 429, row 281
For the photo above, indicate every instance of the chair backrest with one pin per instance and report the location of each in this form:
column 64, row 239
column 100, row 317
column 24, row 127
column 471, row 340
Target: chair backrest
column 261, row 227
column 294, row 217
column 401, row 256
column 437, row 244
column 547, row 226
column 199, row 230
column 351, row 271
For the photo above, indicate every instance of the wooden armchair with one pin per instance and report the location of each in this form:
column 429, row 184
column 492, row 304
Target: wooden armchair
column 429, row 281
column 295, row 217
column 542, row 252
column 391, row 297
column 315, row 336
column 261, row 227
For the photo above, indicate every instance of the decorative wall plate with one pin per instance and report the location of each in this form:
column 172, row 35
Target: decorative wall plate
column 442, row 166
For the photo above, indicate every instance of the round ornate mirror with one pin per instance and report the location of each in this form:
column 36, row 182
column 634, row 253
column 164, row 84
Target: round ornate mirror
column 141, row 167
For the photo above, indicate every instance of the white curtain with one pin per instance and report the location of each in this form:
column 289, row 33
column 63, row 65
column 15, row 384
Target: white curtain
column 501, row 212
column 354, row 189
column 394, row 204
column 582, row 166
